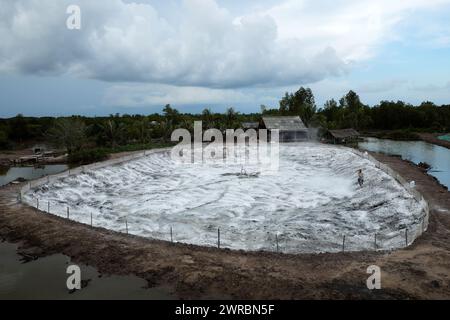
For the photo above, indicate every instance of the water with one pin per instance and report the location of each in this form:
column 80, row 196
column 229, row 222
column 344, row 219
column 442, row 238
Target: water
column 445, row 137
column 46, row 278
column 30, row 173
column 416, row 151
column 310, row 202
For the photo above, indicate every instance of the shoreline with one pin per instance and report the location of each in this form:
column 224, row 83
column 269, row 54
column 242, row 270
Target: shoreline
column 433, row 139
column 199, row 272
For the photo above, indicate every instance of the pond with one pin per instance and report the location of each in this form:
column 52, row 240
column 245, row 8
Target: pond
column 46, row 278
column 445, row 137
column 29, row 173
column 416, row 151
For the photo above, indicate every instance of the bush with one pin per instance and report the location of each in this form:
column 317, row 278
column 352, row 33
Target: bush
column 88, row 156
column 5, row 144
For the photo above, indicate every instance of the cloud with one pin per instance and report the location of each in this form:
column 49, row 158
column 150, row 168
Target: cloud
column 199, row 44
column 430, row 87
column 381, row 86
column 140, row 95
column 131, row 42
column 354, row 28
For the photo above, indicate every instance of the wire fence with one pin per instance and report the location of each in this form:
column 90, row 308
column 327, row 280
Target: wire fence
column 267, row 241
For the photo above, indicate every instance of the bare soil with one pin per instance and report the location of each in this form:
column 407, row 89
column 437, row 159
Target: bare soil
column 421, row 271
column 433, row 138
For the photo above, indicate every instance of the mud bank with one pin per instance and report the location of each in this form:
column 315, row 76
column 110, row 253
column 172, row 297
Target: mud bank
column 420, row 271
column 433, row 138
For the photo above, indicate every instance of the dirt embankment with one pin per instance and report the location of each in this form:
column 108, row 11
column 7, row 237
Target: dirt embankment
column 420, row 271
column 433, row 138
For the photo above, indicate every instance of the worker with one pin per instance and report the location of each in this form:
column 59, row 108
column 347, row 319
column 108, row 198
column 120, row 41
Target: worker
column 360, row 178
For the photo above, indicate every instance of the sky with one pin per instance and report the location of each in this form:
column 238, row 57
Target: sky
column 134, row 57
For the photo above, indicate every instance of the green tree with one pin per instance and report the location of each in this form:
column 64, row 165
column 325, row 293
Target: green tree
column 172, row 115
column 69, row 133
column 301, row 103
column 113, row 132
column 20, row 128
column 231, row 117
column 207, row 119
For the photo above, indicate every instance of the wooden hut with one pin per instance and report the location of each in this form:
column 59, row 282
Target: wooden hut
column 343, row 135
column 291, row 128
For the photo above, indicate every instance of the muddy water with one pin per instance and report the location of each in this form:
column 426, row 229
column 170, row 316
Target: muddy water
column 46, row 278
column 29, row 173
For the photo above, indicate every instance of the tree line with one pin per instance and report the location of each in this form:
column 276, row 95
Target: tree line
column 351, row 112
column 119, row 132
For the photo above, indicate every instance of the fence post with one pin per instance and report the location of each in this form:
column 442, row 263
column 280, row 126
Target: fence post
column 343, row 244
column 126, row 224
column 37, row 204
column 48, row 207
column 276, row 239
column 171, row 234
column 375, row 241
column 218, row 238
column 68, row 214
column 406, row 236
column 91, row 219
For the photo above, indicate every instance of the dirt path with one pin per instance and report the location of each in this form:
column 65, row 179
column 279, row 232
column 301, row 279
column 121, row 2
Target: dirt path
column 421, row 271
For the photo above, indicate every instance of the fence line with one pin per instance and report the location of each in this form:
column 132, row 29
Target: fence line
column 422, row 226
column 411, row 189
column 394, row 239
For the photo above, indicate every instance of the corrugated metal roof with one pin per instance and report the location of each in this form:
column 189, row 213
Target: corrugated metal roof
column 344, row 133
column 293, row 123
column 250, row 125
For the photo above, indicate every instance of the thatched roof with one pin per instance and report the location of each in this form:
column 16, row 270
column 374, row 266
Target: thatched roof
column 284, row 123
column 344, row 133
column 250, row 125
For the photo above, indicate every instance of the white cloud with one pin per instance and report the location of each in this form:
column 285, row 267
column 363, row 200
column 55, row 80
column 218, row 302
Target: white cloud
column 132, row 42
column 381, row 86
column 354, row 28
column 140, row 95
column 202, row 45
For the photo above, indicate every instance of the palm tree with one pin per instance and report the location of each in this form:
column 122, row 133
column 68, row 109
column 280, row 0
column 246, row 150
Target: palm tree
column 113, row 132
column 207, row 119
column 230, row 118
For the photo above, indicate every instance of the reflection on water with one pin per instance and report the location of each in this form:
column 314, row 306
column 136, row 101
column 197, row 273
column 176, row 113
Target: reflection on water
column 29, row 173
column 46, row 278
column 416, row 151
